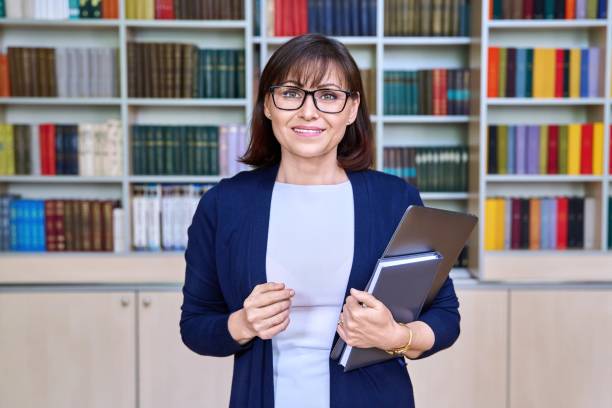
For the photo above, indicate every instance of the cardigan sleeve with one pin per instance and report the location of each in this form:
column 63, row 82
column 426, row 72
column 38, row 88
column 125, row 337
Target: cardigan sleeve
column 443, row 313
column 204, row 315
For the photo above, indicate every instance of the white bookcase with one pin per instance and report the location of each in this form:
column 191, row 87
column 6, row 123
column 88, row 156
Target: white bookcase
column 378, row 52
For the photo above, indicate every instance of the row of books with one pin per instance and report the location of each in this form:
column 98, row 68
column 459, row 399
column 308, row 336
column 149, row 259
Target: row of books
column 427, row 18
column 427, row 92
column 63, row 72
column 329, row 17
column 174, row 70
column 85, row 149
column 184, row 9
column 161, row 215
column 180, row 150
column 547, row 9
column 544, row 72
column 59, row 9
column 540, row 223
column 546, row 149
column 60, row 225
column 436, row 168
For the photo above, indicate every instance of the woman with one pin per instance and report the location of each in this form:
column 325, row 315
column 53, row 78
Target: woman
column 278, row 256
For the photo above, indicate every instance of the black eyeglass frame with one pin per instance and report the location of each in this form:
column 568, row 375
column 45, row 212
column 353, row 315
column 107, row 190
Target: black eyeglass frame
column 306, row 93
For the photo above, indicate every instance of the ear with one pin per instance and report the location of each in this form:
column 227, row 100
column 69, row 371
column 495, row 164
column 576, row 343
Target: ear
column 266, row 106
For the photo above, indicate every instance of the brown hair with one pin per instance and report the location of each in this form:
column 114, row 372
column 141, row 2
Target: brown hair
column 306, row 59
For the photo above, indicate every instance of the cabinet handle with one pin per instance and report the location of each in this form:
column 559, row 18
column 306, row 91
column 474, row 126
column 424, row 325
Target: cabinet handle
column 125, row 302
column 146, row 302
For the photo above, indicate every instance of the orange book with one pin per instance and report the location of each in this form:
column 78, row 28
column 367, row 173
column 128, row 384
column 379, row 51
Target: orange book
column 493, row 79
column 5, row 86
column 534, row 223
column 570, row 9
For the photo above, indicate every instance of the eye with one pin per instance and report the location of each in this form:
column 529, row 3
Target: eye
column 291, row 93
column 329, row 96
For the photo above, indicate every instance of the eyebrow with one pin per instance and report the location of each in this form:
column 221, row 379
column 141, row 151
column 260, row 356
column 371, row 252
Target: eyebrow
column 320, row 85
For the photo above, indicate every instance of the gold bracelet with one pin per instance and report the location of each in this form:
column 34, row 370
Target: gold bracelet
column 401, row 350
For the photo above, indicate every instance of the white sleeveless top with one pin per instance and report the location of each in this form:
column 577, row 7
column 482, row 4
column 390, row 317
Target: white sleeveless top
column 310, row 249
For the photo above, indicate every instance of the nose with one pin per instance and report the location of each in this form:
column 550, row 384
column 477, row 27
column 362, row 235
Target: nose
column 309, row 110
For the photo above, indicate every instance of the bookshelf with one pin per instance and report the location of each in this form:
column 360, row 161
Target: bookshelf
column 379, row 53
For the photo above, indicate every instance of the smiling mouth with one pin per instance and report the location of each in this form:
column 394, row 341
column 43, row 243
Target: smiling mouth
column 308, row 132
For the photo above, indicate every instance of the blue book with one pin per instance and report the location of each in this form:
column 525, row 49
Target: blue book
column 602, row 11
column 313, row 16
column 363, row 17
column 354, row 9
column 464, row 18
column 544, row 223
column 584, row 72
column 593, row 72
column 552, row 231
column 372, row 18
column 328, row 14
column 521, row 69
column 533, row 149
column 511, row 138
column 74, row 10
column 14, row 224
column 521, row 149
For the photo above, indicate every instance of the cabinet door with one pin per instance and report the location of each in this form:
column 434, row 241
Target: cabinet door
column 560, row 348
column 171, row 375
column 473, row 372
column 67, row 350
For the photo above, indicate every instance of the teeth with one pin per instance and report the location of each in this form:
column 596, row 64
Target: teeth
column 307, row 130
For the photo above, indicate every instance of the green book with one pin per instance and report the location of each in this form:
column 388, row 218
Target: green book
column 549, row 9
column 84, row 8
column 502, row 149
column 170, row 151
column 529, row 73
column 136, row 150
column 213, row 149
column 562, row 156
column 543, row 149
column 150, row 147
column 209, row 73
column 240, row 74
column 232, row 71
column 223, row 67
column 200, row 150
column 158, row 151
column 190, row 135
column 180, row 133
column 591, row 11
column 502, row 73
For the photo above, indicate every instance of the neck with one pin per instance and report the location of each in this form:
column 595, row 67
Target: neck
column 319, row 170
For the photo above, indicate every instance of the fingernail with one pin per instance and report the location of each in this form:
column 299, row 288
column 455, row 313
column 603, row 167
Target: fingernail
column 292, row 292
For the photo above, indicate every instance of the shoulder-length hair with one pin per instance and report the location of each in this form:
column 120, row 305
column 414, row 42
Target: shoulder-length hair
column 306, row 59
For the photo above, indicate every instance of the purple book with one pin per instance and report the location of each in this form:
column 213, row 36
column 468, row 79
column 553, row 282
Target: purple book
column 581, row 9
column 593, row 79
column 533, row 149
column 520, row 149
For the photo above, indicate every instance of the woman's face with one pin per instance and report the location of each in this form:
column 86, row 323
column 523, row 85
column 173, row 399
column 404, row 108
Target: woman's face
column 307, row 132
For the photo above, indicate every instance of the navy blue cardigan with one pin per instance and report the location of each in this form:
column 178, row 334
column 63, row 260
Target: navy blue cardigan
column 226, row 258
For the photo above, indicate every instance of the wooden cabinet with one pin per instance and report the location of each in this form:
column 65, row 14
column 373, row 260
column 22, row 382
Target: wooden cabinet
column 65, row 349
column 560, row 348
column 171, row 375
column 473, row 372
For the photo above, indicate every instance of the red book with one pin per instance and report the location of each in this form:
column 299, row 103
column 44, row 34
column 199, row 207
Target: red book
column 278, row 17
column 553, row 149
column 5, row 86
column 493, row 71
column 50, row 241
column 562, row 223
column 516, row 224
column 528, row 9
column 443, row 92
column 586, row 149
column 436, row 91
column 110, row 9
column 559, row 73
column 303, row 16
column 47, row 148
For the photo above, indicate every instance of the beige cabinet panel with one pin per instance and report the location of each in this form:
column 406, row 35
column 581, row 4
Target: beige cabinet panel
column 171, row 375
column 560, row 348
column 473, row 372
column 64, row 350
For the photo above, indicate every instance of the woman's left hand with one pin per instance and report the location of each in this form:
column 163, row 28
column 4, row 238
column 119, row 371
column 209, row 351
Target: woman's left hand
column 369, row 326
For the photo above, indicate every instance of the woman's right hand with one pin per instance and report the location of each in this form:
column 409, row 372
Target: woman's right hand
column 264, row 315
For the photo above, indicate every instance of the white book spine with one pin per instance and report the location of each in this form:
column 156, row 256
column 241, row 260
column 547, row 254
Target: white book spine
column 153, row 218
column 34, row 150
column 100, row 136
column 118, row 233
column 589, row 223
column 139, row 220
column 166, row 230
column 14, row 8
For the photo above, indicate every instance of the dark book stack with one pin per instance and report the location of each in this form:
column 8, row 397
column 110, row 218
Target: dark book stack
column 427, row 92
column 185, row 9
column 547, row 9
column 329, row 17
column 544, row 72
column 63, row 72
column 540, row 223
column 161, row 215
column 172, row 70
column 434, row 169
column 545, row 149
column 56, row 225
column 40, row 10
column 450, row 18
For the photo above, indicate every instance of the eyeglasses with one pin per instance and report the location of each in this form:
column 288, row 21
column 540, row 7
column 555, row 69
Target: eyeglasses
column 325, row 100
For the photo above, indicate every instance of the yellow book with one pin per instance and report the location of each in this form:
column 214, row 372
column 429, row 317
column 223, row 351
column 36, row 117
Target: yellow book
column 148, row 11
column 574, row 136
column 543, row 149
column 3, row 155
column 548, row 60
column 490, row 224
column 500, row 212
column 598, row 148
column 574, row 68
column 539, row 72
